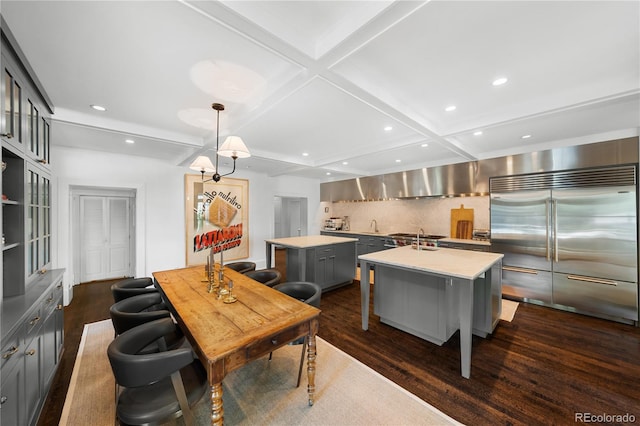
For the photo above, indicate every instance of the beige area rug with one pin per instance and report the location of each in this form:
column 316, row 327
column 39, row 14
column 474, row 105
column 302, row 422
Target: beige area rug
column 509, row 308
column 262, row 392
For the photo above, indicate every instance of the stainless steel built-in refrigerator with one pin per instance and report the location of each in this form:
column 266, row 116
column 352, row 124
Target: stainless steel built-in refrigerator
column 569, row 239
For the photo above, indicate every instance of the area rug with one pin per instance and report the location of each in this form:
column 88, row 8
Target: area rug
column 509, row 308
column 263, row 392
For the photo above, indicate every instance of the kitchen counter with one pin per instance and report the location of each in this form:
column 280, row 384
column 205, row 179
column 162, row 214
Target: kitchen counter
column 466, row 241
column 442, row 261
column 434, row 292
column 328, row 261
column 308, row 241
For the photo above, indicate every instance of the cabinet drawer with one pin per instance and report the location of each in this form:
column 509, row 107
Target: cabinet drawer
column 11, row 350
column 272, row 343
column 325, row 251
column 32, row 323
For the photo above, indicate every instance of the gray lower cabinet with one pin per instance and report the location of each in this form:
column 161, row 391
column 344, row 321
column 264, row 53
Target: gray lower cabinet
column 329, row 266
column 32, row 339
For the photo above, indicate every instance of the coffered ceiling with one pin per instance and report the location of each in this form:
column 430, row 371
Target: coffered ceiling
column 310, row 86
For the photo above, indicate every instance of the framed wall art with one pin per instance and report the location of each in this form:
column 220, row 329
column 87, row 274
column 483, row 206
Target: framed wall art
column 216, row 215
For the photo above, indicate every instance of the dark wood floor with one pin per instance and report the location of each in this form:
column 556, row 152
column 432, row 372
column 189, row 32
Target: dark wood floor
column 540, row 369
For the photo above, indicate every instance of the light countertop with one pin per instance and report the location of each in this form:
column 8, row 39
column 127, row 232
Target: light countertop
column 450, row 262
column 310, row 241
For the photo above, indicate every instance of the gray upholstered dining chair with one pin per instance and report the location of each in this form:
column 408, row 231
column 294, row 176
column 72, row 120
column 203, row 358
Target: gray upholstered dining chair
column 155, row 387
column 132, row 287
column 141, row 309
column 241, row 267
column 309, row 293
column 268, row 277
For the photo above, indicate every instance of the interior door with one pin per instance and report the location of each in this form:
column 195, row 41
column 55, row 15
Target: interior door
column 104, row 237
column 290, row 217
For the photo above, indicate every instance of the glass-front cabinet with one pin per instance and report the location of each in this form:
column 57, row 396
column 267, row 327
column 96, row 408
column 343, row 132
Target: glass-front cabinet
column 12, row 107
column 38, row 221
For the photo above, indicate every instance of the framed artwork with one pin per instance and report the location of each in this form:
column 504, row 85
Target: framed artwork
column 216, row 215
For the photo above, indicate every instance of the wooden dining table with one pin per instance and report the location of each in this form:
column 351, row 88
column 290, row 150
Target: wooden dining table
column 226, row 336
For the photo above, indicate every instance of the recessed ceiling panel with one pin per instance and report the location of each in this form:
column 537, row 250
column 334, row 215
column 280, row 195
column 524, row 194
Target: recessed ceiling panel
column 448, row 54
column 543, row 131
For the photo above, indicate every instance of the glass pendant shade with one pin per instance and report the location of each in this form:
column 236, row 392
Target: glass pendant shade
column 202, row 164
column 232, row 147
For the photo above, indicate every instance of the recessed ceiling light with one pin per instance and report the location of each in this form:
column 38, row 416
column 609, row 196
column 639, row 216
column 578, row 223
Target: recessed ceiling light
column 525, row 136
column 478, row 133
column 328, row 173
column 98, row 107
column 344, row 163
column 305, row 154
column 398, row 161
column 424, row 145
column 129, row 141
column 388, row 128
column 450, row 108
column 499, row 81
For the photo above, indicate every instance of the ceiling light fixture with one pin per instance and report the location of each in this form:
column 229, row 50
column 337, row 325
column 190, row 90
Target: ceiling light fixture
column 499, row 81
column 388, row 129
column 305, row 154
column 478, row 133
column 424, row 145
column 129, row 141
column 525, row 137
column 98, row 107
column 450, row 108
column 232, row 147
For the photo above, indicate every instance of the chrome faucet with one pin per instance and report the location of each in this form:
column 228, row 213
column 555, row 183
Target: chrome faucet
column 420, row 232
column 375, row 225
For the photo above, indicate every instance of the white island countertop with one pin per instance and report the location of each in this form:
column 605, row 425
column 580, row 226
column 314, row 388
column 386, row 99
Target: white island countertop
column 464, row 264
column 310, row 241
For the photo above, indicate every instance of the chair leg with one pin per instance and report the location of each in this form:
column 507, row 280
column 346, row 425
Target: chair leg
column 304, row 347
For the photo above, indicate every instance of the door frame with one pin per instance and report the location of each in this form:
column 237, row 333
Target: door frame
column 75, row 192
column 279, row 202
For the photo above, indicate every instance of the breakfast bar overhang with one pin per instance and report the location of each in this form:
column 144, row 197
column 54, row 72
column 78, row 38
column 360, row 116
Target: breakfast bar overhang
column 434, row 292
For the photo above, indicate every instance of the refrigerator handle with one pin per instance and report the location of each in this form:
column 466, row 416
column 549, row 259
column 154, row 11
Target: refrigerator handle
column 554, row 208
column 547, row 216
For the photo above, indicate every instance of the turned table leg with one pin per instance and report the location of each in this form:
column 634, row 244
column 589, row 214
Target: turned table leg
column 217, row 410
column 311, row 367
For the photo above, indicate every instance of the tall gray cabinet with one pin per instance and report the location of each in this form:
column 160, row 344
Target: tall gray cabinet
column 32, row 322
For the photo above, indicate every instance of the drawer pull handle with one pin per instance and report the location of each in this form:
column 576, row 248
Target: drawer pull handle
column 59, row 285
column 31, row 352
column 274, row 341
column 3, row 400
column 10, row 352
column 34, row 321
column 592, row 280
column 59, row 307
column 7, row 135
column 523, row 270
column 49, row 299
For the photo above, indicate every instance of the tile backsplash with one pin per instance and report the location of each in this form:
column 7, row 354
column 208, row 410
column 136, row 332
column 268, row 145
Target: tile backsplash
column 433, row 215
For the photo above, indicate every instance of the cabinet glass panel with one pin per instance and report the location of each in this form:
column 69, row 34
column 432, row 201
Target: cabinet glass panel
column 8, row 101
column 29, row 122
column 17, row 112
column 45, row 142
column 35, row 127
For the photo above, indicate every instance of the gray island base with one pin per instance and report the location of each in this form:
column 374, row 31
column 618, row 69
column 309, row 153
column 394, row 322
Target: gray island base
column 432, row 293
column 327, row 261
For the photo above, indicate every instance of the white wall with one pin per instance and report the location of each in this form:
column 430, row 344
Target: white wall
column 160, row 222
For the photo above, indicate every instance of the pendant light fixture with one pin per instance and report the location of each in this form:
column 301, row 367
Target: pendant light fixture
column 232, row 147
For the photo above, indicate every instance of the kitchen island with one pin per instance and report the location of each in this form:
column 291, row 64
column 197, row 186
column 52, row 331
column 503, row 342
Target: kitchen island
column 328, row 261
column 433, row 292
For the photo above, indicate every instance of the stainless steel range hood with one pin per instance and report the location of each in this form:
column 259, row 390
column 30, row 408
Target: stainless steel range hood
column 472, row 178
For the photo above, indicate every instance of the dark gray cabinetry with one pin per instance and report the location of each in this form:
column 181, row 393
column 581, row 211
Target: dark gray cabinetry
column 329, row 266
column 366, row 243
column 464, row 246
column 32, row 337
